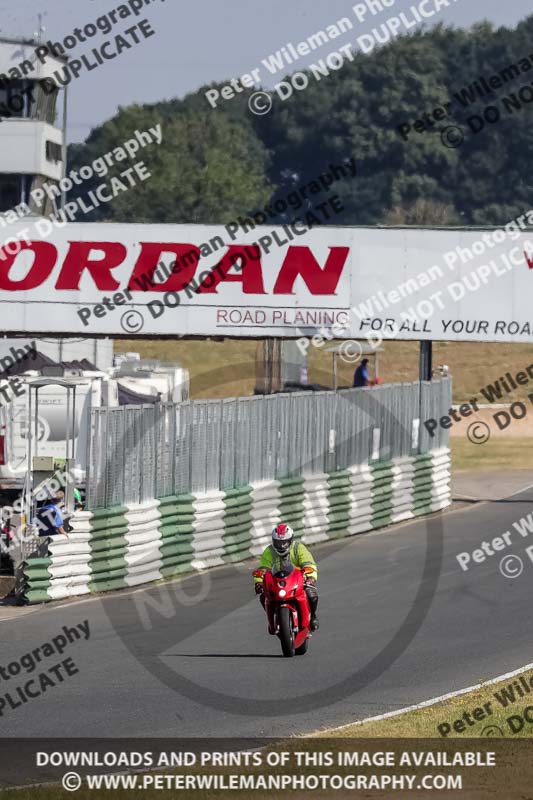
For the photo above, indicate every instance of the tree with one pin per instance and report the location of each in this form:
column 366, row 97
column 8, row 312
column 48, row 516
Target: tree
column 207, row 169
column 217, row 164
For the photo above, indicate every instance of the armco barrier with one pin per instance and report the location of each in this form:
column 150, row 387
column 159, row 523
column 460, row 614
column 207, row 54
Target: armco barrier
column 141, row 543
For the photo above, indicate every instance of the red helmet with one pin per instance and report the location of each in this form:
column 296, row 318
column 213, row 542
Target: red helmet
column 282, row 536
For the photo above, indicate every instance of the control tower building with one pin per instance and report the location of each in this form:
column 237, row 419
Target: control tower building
column 33, row 152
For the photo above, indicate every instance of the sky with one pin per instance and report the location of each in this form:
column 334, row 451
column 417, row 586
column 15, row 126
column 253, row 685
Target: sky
column 206, row 40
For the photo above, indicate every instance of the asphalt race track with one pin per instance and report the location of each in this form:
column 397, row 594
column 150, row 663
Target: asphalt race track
column 160, row 663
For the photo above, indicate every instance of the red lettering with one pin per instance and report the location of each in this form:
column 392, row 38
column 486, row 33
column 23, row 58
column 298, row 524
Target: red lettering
column 301, row 261
column 44, row 259
column 248, row 258
column 77, row 260
column 529, row 260
column 241, row 263
column 187, row 257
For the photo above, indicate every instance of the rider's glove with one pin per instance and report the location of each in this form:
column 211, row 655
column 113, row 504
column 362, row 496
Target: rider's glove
column 310, row 581
column 259, row 588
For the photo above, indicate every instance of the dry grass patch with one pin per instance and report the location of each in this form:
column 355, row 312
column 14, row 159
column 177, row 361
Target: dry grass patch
column 223, row 369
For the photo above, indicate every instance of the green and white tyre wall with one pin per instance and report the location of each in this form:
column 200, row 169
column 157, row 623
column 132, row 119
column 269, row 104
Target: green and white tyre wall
column 131, row 545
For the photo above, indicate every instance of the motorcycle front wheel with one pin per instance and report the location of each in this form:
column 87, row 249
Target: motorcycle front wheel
column 286, row 634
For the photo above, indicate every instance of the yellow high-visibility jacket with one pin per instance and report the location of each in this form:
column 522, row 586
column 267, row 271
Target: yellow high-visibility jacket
column 300, row 556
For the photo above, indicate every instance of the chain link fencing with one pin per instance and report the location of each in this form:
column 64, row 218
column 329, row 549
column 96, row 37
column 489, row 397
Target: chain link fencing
column 140, row 452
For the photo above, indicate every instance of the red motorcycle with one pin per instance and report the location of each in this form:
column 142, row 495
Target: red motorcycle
column 287, row 607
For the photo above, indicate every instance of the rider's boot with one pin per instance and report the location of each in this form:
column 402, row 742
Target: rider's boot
column 313, row 607
column 271, row 628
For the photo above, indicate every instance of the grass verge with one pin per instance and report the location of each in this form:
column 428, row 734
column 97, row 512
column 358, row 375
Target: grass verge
column 496, row 710
column 499, row 708
column 473, row 365
column 494, row 455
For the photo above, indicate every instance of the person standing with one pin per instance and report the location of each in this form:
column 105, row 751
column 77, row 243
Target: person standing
column 49, row 518
column 360, row 377
column 6, row 540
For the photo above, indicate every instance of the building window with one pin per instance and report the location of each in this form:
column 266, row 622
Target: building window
column 15, row 98
column 53, row 151
column 43, row 206
column 10, row 191
column 26, row 99
column 46, row 105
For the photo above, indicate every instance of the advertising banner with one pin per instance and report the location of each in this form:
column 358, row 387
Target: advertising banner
column 196, row 280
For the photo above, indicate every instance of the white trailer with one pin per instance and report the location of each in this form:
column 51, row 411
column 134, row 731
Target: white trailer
column 60, row 420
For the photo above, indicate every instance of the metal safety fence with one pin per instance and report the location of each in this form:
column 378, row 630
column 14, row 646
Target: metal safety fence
column 137, row 453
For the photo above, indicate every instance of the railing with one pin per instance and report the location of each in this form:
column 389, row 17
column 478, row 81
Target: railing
column 140, row 452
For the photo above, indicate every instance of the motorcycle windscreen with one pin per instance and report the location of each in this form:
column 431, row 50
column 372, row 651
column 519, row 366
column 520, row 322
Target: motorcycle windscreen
column 284, row 570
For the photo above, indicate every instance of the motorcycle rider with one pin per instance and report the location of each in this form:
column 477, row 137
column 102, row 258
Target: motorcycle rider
column 284, row 547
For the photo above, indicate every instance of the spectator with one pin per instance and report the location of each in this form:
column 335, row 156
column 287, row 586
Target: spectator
column 78, row 505
column 6, row 540
column 49, row 518
column 360, row 377
column 6, row 528
column 60, row 498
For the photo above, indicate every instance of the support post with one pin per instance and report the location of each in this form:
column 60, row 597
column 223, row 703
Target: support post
column 64, row 146
column 426, row 361
column 425, row 373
